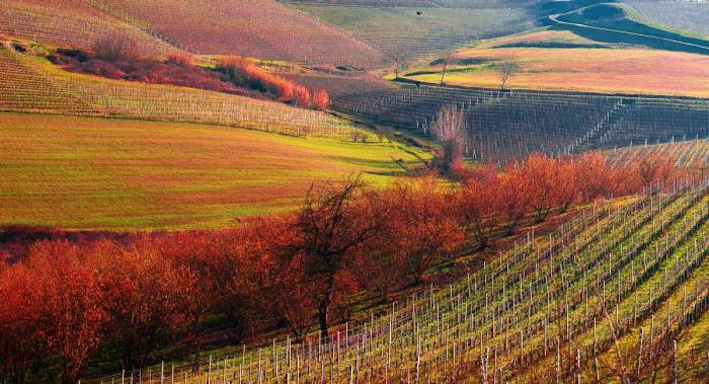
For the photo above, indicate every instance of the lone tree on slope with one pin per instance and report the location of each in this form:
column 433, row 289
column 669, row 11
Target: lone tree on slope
column 507, row 68
column 449, row 131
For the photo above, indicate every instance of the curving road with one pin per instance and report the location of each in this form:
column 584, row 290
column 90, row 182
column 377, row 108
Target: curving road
column 555, row 19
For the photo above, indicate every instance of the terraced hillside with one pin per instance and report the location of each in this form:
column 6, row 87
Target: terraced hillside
column 617, row 295
column 32, row 84
column 504, row 126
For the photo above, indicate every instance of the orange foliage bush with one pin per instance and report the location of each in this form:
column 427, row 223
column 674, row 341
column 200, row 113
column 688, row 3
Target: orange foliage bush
column 321, row 100
column 242, row 71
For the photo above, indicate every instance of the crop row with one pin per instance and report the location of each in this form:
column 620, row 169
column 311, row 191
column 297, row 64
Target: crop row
column 690, row 154
column 504, row 126
column 659, row 121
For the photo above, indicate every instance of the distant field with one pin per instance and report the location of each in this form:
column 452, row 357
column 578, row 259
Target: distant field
column 90, row 173
column 641, row 71
column 397, row 30
column 542, row 38
column 688, row 15
column 618, row 23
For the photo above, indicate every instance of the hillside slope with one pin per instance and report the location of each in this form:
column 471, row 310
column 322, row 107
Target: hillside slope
column 97, row 173
column 72, row 23
column 259, row 28
column 548, row 310
column 402, row 30
column 30, row 83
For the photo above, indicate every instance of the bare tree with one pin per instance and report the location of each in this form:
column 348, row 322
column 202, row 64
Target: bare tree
column 507, row 68
column 115, row 47
column 445, row 60
column 449, row 130
column 399, row 61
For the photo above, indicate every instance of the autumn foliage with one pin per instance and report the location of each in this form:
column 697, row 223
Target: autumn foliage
column 244, row 72
column 115, row 57
column 131, row 296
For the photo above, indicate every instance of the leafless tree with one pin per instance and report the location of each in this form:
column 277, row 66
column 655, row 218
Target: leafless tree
column 449, row 130
column 400, row 56
column 115, row 47
column 507, row 68
column 445, row 60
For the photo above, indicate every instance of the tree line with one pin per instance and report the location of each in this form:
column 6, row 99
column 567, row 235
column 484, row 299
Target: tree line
column 145, row 296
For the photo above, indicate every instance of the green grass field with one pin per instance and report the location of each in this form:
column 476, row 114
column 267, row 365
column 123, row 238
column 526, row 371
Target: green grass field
column 95, row 173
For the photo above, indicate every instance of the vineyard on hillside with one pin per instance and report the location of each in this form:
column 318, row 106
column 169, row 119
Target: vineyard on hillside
column 282, row 32
column 689, row 154
column 354, row 191
column 406, row 30
column 73, row 23
column 503, row 126
column 687, row 15
column 619, row 293
column 32, row 84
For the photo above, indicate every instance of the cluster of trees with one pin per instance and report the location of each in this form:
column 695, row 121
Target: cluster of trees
column 67, row 302
column 243, row 72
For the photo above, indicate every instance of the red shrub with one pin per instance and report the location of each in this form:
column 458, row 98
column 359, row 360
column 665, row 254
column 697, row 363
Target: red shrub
column 321, row 100
column 301, row 96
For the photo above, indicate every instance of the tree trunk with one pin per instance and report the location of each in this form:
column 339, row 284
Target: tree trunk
column 322, row 318
column 324, row 307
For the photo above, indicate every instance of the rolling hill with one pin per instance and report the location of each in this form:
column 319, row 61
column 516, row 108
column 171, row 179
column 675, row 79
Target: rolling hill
column 539, row 210
column 97, row 173
column 260, row 28
column 32, row 84
column 407, row 30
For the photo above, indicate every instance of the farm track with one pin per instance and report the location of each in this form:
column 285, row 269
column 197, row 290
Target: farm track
column 555, row 19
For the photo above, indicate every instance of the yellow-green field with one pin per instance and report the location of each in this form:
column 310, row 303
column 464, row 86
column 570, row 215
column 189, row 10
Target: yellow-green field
column 96, row 173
